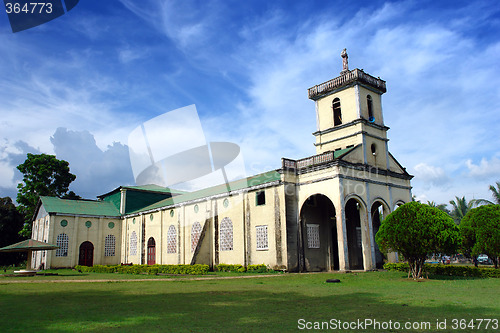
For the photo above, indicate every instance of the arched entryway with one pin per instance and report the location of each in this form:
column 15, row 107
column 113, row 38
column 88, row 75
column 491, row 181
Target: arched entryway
column 379, row 211
column 151, row 251
column 86, row 254
column 319, row 245
column 354, row 234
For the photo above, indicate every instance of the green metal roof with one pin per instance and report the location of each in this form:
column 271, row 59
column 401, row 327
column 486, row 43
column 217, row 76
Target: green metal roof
column 338, row 153
column 144, row 188
column 155, row 188
column 260, row 179
column 29, row 245
column 79, row 207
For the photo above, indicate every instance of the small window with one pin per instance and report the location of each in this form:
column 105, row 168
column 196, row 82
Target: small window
column 226, row 235
column 374, row 149
column 313, row 236
column 369, row 103
column 349, row 146
column 195, row 235
column 337, row 115
column 260, row 198
column 133, row 244
column 261, row 235
column 172, row 239
column 62, row 241
column 109, row 246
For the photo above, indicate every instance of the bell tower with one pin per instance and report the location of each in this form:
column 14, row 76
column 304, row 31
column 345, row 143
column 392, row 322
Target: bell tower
column 349, row 113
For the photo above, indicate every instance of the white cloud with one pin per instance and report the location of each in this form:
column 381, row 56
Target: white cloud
column 98, row 171
column 485, row 169
column 431, row 174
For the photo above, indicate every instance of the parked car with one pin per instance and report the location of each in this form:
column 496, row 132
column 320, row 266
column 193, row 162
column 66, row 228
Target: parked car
column 484, row 260
column 445, row 259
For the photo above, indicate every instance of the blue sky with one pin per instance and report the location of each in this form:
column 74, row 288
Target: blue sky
column 78, row 85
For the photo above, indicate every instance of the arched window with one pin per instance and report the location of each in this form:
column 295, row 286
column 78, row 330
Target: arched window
column 195, row 235
column 226, row 234
column 172, row 239
column 109, row 246
column 133, row 244
column 62, row 241
column 369, row 103
column 337, row 115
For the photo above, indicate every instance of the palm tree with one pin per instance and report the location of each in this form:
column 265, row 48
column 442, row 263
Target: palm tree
column 495, row 193
column 440, row 206
column 460, row 208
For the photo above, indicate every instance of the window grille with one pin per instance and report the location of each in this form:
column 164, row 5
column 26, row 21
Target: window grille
column 226, row 235
column 261, row 235
column 62, row 241
column 172, row 239
column 109, row 246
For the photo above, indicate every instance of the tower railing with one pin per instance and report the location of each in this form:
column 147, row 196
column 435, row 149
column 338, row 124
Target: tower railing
column 346, row 78
column 308, row 161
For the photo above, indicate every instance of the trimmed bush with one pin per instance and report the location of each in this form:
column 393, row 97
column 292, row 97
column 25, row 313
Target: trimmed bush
column 241, row 269
column 468, row 271
column 258, row 269
column 147, row 269
column 229, row 268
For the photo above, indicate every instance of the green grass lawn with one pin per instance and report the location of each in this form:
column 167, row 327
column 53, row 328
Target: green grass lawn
column 263, row 304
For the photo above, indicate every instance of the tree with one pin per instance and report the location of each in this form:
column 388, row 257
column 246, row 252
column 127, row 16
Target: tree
column 495, row 193
column 480, row 232
column 43, row 175
column 416, row 231
column 460, row 208
column 11, row 221
column 439, row 206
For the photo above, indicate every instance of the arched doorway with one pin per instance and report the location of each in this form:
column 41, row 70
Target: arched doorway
column 86, row 254
column 379, row 212
column 319, row 245
column 151, row 251
column 354, row 234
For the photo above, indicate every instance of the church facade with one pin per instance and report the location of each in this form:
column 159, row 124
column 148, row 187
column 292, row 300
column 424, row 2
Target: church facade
column 319, row 213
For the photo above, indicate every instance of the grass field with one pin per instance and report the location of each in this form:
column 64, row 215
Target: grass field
column 260, row 304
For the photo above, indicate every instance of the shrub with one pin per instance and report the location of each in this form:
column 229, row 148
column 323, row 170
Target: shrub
column 147, row 269
column 257, row 268
column 467, row 271
column 229, row 268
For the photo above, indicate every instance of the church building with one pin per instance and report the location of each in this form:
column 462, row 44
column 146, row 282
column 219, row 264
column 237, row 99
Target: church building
column 318, row 213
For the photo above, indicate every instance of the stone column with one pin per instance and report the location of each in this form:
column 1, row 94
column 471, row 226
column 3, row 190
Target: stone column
column 342, row 230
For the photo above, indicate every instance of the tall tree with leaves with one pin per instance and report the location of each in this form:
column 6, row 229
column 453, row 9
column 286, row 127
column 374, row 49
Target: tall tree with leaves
column 480, row 232
column 11, row 221
column 416, row 231
column 43, row 175
column 460, row 208
column 495, row 193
